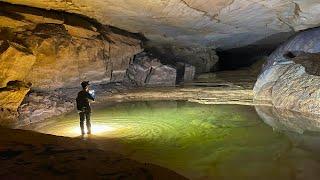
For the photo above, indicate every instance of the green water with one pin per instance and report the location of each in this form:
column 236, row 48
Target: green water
column 197, row 141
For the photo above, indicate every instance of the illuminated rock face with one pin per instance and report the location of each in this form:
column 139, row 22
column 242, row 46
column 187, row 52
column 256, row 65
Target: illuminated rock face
column 60, row 50
column 15, row 64
column 45, row 50
column 64, row 60
column 216, row 23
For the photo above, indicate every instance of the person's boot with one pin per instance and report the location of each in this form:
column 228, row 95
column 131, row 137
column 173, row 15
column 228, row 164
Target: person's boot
column 89, row 131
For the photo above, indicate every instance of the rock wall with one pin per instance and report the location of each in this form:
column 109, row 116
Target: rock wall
column 290, row 78
column 47, row 50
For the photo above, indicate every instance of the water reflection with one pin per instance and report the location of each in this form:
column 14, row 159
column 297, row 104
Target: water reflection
column 203, row 141
column 285, row 120
column 303, row 130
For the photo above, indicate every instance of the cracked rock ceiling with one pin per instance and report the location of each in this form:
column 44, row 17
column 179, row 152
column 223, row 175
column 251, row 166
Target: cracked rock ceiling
column 214, row 23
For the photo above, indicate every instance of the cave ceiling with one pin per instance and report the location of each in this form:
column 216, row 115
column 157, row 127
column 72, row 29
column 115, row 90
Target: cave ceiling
column 221, row 24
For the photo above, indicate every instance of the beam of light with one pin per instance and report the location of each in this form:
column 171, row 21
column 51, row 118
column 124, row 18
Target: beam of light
column 96, row 129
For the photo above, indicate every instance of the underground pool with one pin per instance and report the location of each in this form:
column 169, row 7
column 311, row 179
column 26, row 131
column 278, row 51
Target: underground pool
column 197, row 141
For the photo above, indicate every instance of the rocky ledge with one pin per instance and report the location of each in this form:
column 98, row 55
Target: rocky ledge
column 30, row 155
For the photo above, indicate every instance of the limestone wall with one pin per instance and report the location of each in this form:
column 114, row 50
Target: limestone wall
column 47, row 50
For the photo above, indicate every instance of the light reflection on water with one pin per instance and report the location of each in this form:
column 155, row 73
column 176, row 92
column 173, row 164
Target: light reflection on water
column 197, row 141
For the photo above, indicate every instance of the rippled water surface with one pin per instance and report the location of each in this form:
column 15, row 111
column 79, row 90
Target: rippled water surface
column 197, row 141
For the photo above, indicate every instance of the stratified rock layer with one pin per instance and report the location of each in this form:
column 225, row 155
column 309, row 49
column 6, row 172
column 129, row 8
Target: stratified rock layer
column 290, row 78
column 216, row 23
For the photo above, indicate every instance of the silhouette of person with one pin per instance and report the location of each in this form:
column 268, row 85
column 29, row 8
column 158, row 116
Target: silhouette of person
column 83, row 106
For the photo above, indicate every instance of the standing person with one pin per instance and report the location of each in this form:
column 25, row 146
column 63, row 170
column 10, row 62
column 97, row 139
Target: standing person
column 83, row 106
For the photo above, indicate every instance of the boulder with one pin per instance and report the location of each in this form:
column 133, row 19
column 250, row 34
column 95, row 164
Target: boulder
column 162, row 76
column 289, row 86
column 290, row 77
column 138, row 74
column 149, row 71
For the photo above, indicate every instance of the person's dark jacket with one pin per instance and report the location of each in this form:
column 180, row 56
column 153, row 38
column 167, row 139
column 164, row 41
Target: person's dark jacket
column 83, row 101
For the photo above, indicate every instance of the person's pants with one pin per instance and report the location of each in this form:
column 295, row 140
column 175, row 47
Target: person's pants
column 85, row 116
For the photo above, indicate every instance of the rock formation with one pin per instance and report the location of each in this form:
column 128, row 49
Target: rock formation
column 47, row 50
column 185, row 72
column 303, row 42
column 290, row 77
column 204, row 59
column 148, row 71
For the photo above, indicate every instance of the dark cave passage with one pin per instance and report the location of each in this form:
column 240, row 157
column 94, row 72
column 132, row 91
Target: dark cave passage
column 236, row 58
